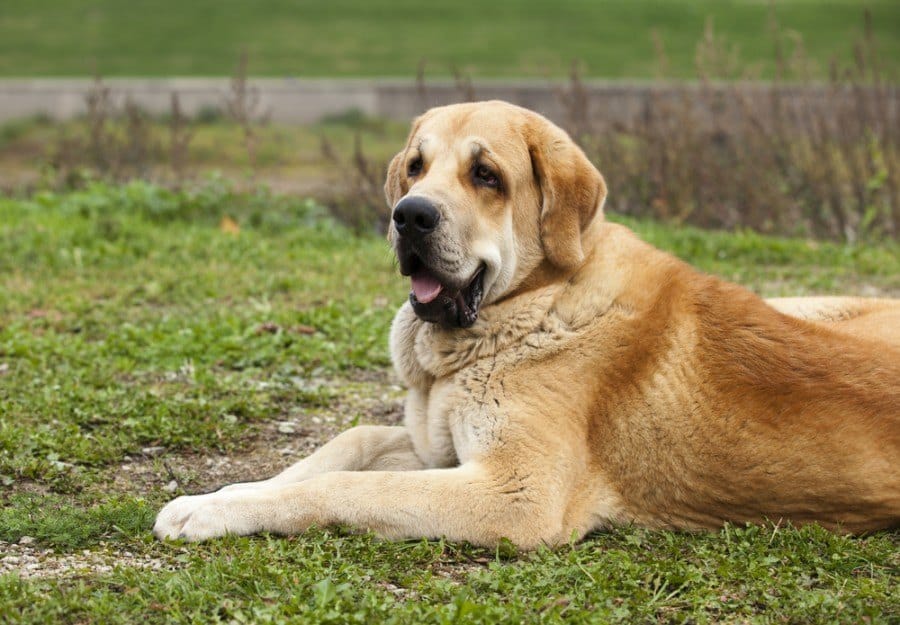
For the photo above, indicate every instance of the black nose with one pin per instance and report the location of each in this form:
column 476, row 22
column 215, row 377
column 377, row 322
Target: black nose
column 415, row 216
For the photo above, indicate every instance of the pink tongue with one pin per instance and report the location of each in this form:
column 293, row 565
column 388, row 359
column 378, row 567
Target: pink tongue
column 425, row 286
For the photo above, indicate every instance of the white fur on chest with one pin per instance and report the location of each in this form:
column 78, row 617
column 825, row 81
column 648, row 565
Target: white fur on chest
column 456, row 410
column 447, row 428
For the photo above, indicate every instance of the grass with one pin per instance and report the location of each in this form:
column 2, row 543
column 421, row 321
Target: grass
column 141, row 340
column 386, row 37
column 635, row 576
column 289, row 156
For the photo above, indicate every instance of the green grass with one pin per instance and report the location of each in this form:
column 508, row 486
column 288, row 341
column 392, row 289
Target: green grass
column 389, row 37
column 129, row 319
column 289, row 155
column 740, row 575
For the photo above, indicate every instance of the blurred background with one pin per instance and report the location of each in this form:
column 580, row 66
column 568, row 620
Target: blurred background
column 781, row 117
column 193, row 290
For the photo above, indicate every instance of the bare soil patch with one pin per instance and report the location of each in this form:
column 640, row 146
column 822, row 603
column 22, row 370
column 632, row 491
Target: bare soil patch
column 367, row 397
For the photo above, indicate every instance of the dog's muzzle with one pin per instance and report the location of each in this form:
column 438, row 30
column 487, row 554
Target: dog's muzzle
column 435, row 298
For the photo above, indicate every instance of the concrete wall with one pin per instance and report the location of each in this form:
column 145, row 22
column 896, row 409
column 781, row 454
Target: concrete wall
column 283, row 100
column 309, row 100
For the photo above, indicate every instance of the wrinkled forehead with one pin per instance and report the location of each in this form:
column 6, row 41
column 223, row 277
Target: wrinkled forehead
column 494, row 132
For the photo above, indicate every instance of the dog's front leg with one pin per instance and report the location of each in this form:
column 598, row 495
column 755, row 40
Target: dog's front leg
column 362, row 448
column 471, row 502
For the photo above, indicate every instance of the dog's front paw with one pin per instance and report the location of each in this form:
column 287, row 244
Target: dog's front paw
column 201, row 517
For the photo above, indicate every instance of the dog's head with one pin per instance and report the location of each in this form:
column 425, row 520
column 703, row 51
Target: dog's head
column 483, row 194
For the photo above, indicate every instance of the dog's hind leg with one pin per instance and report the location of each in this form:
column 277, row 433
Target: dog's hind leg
column 868, row 318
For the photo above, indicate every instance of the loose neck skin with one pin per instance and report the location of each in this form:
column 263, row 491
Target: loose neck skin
column 546, row 274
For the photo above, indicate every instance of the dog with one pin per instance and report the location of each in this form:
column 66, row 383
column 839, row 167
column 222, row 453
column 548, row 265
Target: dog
column 565, row 376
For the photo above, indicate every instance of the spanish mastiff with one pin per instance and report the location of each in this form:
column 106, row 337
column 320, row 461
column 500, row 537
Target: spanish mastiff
column 565, row 376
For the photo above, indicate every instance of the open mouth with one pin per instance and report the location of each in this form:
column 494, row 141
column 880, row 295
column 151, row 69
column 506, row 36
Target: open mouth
column 437, row 302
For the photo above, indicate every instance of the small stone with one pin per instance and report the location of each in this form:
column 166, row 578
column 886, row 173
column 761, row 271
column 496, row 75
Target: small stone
column 171, row 487
column 286, row 427
column 26, row 540
column 153, row 451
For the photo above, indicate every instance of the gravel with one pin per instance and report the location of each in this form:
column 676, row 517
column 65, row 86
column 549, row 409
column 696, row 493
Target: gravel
column 33, row 562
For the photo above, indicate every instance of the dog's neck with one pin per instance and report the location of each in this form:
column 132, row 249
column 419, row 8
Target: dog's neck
column 546, row 305
column 544, row 275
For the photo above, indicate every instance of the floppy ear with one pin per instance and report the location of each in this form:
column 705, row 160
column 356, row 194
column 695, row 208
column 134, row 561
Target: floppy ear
column 572, row 191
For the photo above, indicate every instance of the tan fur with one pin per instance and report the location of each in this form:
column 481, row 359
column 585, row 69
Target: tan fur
column 604, row 382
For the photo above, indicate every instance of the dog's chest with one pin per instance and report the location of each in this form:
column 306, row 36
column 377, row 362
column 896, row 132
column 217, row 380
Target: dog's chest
column 465, row 414
column 458, row 418
column 458, row 402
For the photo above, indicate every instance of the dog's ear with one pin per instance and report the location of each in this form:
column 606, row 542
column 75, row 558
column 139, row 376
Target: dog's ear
column 572, row 192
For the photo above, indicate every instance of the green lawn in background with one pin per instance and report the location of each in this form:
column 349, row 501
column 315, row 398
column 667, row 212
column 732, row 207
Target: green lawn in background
column 130, row 319
column 391, row 37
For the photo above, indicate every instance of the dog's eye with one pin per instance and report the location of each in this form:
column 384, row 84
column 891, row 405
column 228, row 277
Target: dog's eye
column 414, row 168
column 484, row 176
